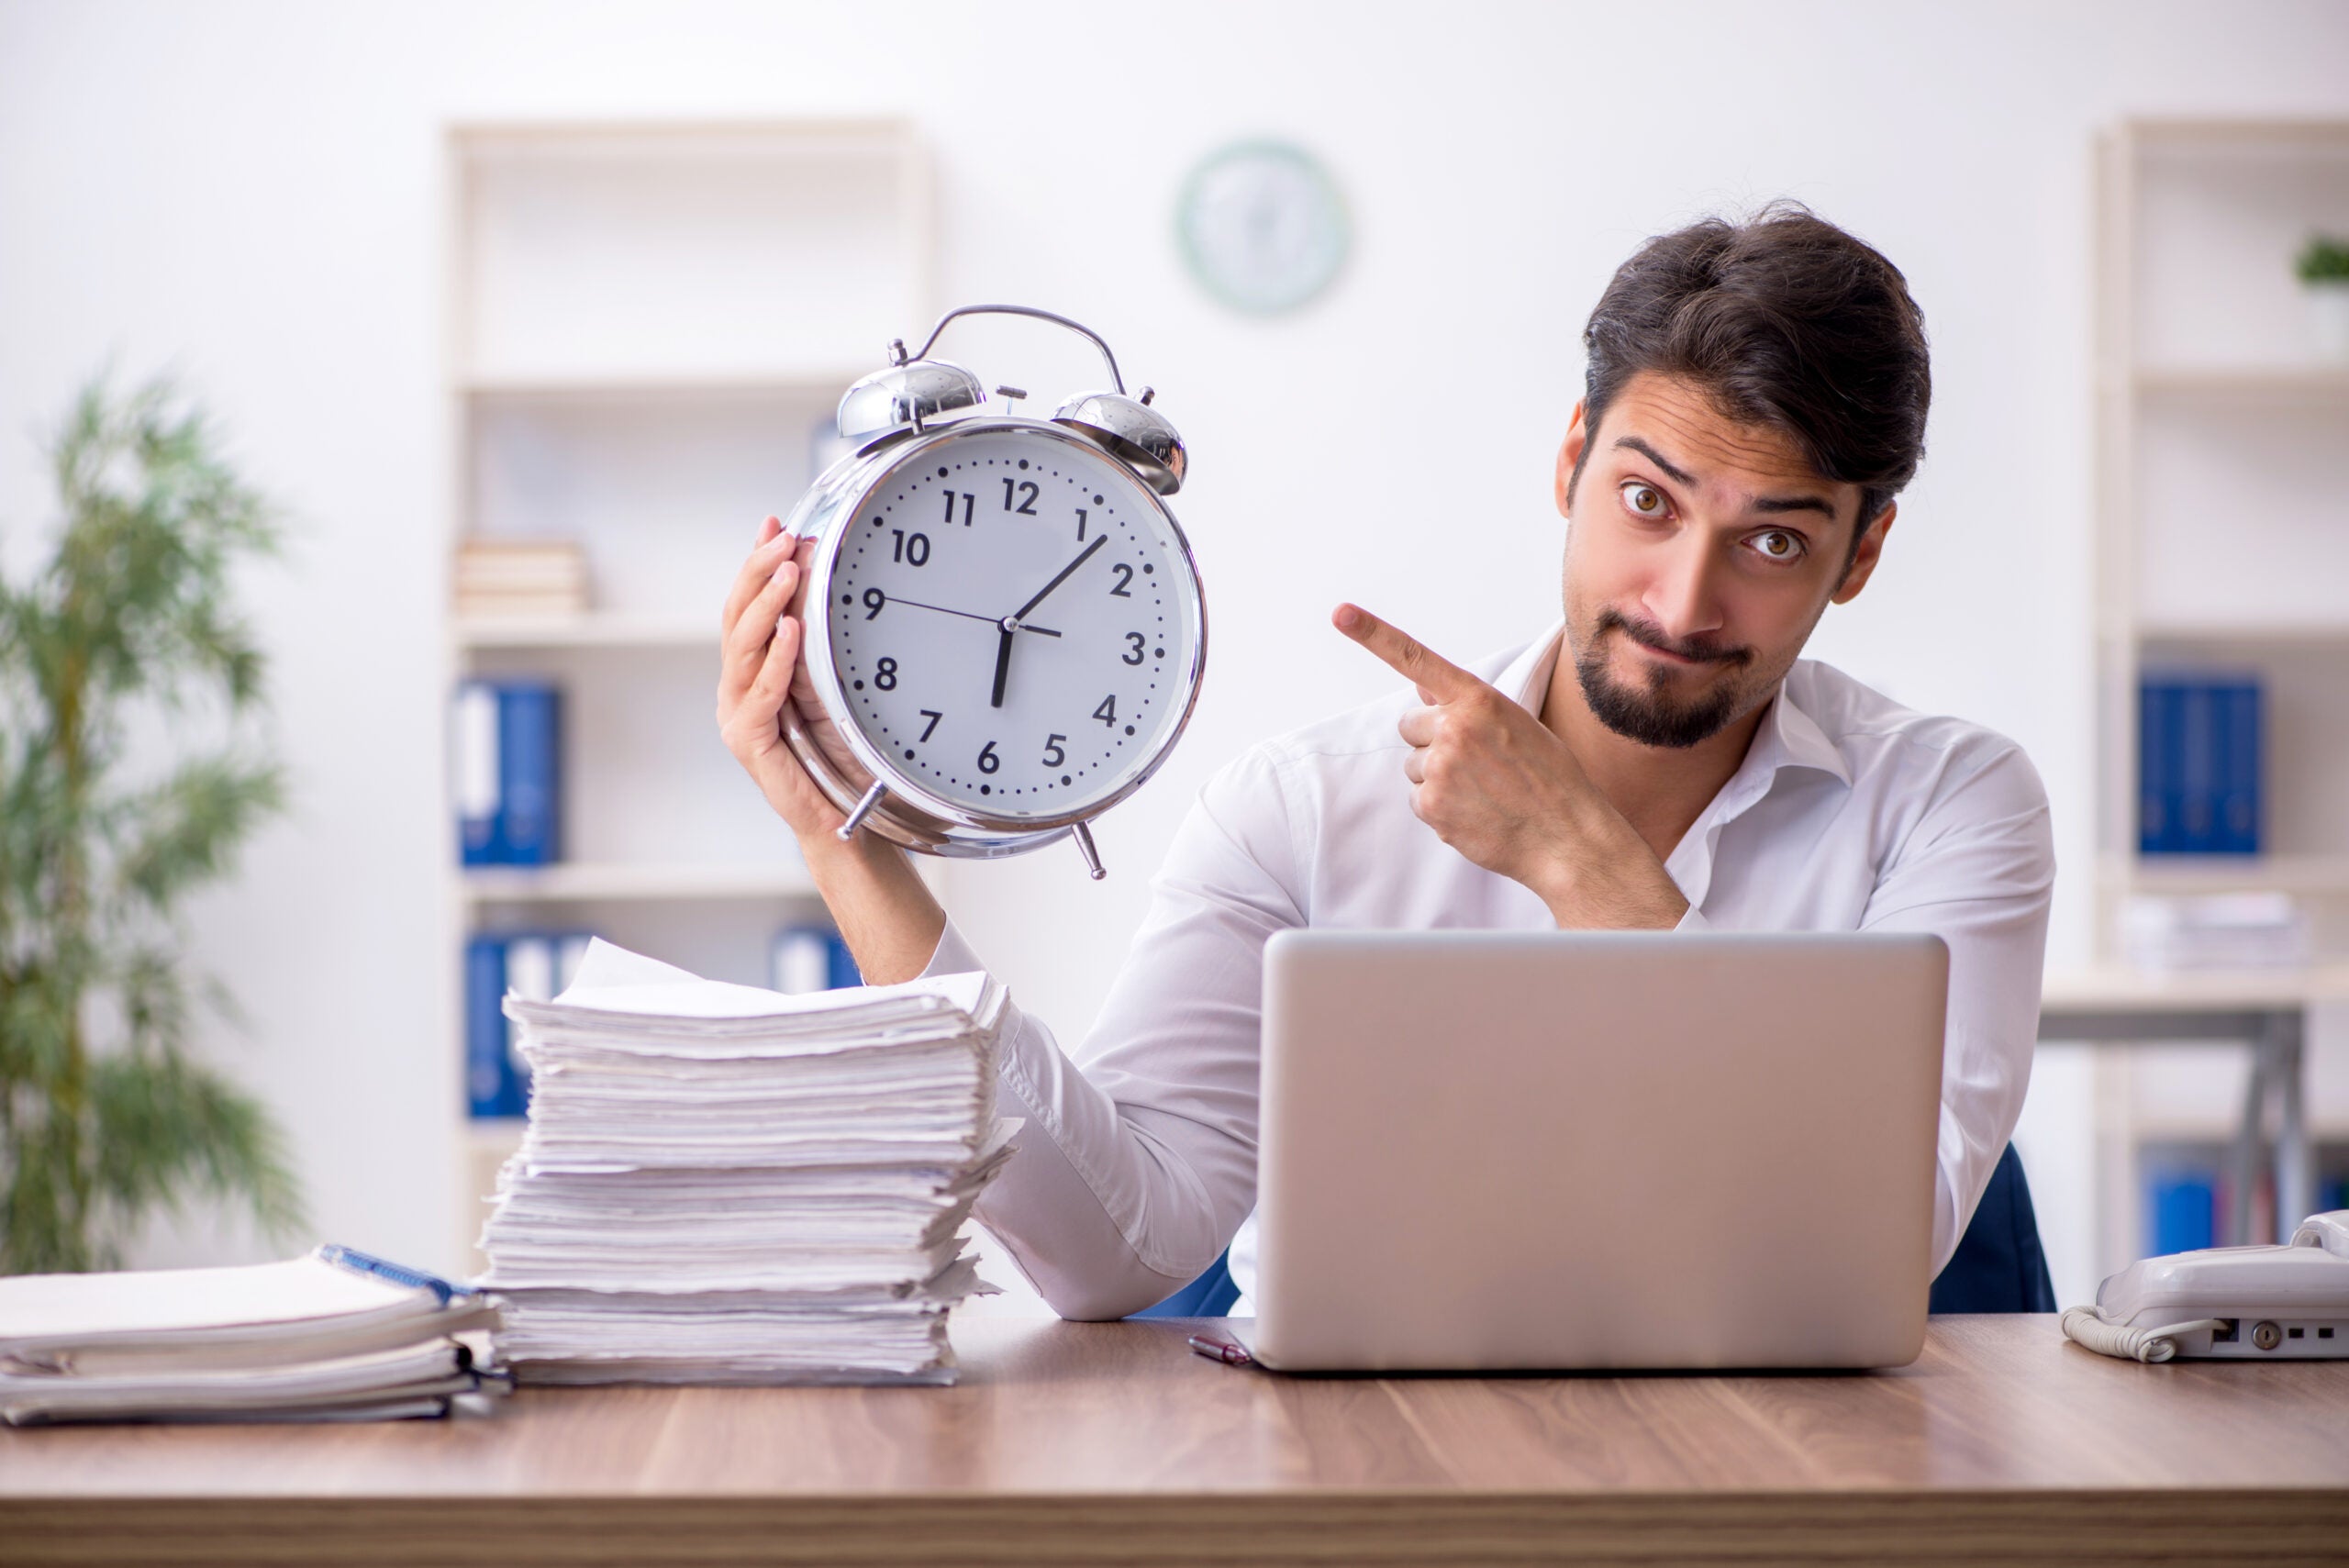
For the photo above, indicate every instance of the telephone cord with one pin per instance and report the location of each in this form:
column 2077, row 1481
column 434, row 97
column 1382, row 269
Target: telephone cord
column 2082, row 1326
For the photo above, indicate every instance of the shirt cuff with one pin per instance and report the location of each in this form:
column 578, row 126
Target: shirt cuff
column 951, row 956
column 1694, row 920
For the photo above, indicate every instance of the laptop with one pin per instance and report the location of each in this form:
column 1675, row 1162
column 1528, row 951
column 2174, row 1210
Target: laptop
column 1550, row 1150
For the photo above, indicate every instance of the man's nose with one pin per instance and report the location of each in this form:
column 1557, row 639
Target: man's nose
column 1684, row 597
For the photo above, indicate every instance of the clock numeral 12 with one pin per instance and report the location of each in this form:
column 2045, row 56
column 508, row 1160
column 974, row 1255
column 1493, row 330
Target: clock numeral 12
column 1026, row 508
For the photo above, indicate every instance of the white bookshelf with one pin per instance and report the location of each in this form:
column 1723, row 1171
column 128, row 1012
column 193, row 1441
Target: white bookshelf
column 2222, row 539
column 647, row 323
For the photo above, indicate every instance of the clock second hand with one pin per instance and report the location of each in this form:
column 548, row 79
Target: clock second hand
column 969, row 614
column 1011, row 624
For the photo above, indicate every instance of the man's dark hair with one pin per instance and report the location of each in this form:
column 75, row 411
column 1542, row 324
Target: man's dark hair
column 1785, row 321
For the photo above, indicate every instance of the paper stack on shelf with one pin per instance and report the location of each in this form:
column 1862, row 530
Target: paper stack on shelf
column 334, row 1336
column 725, row 1185
column 2220, row 930
column 498, row 577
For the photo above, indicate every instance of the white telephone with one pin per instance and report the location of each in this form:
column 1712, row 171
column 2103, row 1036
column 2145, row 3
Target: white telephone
column 2276, row 1303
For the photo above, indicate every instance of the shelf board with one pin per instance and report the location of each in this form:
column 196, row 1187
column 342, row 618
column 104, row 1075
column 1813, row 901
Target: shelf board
column 2314, row 379
column 588, row 882
column 499, row 1135
column 2220, row 1130
column 2118, row 985
column 2155, row 629
column 2230, row 873
column 601, row 629
column 824, row 385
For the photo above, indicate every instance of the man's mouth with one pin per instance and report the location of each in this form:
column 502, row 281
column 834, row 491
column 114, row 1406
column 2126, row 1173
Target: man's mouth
column 1684, row 655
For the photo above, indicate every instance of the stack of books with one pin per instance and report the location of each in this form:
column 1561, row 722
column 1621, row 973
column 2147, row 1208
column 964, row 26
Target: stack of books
column 336, row 1336
column 720, row 1183
column 2219, row 930
column 498, row 578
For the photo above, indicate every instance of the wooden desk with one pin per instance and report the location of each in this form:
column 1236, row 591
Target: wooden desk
column 1112, row 1443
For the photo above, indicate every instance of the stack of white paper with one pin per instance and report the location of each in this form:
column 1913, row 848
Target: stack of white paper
column 305, row 1339
column 725, row 1185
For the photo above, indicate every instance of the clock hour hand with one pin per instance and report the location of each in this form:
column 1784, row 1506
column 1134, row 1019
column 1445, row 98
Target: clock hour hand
column 1002, row 661
column 1011, row 624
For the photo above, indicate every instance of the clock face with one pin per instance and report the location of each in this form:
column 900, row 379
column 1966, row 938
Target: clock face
column 1013, row 623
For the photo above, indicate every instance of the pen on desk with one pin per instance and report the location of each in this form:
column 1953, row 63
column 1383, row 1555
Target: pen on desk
column 362, row 1262
column 1221, row 1350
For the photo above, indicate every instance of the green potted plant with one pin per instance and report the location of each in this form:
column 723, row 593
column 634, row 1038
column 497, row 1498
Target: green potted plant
column 2323, row 267
column 129, row 773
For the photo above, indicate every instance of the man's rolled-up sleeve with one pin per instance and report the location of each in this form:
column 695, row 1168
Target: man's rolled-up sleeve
column 1977, row 870
column 1132, row 1173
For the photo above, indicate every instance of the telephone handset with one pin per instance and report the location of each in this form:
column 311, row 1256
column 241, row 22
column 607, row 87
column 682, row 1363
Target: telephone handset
column 2288, row 1301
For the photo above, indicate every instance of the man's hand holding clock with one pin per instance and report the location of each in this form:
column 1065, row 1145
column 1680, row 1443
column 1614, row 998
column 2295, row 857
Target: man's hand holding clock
column 884, row 909
column 1497, row 785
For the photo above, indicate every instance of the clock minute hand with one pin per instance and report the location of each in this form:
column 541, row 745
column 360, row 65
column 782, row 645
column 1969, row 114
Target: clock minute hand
column 1060, row 577
column 1010, row 623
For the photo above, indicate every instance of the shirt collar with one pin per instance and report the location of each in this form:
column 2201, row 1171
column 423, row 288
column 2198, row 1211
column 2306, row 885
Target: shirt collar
column 1789, row 737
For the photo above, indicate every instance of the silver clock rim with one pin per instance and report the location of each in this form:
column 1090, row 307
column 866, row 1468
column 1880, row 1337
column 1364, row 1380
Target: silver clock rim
column 927, row 821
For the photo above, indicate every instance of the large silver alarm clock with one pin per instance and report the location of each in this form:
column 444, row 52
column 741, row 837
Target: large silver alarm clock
column 1004, row 627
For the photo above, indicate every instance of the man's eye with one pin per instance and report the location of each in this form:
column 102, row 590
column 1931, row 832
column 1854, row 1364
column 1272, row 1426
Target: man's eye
column 1779, row 545
column 1644, row 500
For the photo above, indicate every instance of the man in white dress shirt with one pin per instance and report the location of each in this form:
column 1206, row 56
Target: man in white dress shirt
column 1755, row 397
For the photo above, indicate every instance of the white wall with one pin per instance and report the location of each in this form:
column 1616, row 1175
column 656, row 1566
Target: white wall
column 249, row 192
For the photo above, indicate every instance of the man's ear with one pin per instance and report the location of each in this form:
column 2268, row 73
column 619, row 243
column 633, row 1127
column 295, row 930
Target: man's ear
column 1864, row 560
column 1569, row 454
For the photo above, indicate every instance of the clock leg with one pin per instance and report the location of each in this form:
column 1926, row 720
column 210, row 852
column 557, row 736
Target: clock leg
column 846, row 830
column 1092, row 856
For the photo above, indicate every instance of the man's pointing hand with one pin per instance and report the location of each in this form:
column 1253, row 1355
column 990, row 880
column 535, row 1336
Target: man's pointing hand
column 1497, row 785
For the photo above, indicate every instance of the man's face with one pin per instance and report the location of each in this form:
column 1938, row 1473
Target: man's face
column 1699, row 555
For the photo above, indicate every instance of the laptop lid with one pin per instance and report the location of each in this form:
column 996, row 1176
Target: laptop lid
column 1597, row 1149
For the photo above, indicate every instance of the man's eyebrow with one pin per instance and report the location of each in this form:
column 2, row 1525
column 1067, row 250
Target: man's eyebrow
column 1655, row 457
column 1770, row 504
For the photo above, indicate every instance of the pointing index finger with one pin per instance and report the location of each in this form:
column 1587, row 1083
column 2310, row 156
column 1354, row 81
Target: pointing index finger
column 1409, row 658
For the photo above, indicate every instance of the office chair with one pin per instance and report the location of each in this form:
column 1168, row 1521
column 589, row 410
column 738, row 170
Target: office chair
column 1997, row 1266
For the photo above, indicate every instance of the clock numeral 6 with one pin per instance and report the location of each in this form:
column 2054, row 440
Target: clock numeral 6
column 988, row 761
column 884, row 674
column 1137, row 639
column 1055, row 752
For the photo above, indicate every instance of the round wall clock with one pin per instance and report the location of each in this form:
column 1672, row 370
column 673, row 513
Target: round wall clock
column 1262, row 226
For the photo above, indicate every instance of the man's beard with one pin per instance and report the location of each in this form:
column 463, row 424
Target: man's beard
column 1649, row 717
